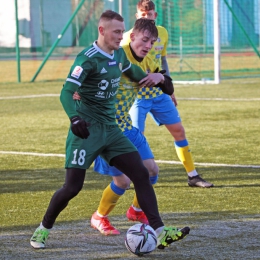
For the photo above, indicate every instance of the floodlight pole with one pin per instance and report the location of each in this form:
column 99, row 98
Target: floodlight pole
column 57, row 40
column 216, row 42
column 17, row 44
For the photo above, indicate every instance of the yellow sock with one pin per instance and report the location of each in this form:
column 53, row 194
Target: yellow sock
column 108, row 201
column 185, row 157
column 135, row 202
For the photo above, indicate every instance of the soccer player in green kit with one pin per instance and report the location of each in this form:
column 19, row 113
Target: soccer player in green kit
column 95, row 75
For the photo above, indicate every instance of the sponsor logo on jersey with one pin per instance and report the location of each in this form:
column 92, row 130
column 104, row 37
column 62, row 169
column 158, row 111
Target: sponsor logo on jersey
column 111, row 94
column 103, row 84
column 158, row 56
column 100, row 94
column 76, row 72
column 115, row 82
column 103, row 71
column 112, row 63
column 158, row 48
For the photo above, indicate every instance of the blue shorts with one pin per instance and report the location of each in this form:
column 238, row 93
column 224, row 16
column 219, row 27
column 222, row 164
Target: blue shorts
column 140, row 142
column 161, row 109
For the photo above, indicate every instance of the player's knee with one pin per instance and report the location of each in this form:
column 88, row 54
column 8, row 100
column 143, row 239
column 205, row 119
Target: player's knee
column 72, row 190
column 152, row 167
column 153, row 170
column 122, row 181
column 177, row 131
column 132, row 166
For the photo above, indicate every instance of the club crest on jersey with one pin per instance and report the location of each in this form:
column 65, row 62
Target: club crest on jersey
column 103, row 84
column 76, row 72
column 158, row 39
column 126, row 86
column 158, row 48
column 112, row 63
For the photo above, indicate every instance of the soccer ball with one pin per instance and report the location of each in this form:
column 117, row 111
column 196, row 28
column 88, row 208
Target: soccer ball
column 140, row 239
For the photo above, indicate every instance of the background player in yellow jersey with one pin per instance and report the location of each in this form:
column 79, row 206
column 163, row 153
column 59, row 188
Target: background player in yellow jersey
column 159, row 105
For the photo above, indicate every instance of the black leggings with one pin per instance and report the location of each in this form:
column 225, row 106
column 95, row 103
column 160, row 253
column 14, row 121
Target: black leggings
column 73, row 184
column 131, row 164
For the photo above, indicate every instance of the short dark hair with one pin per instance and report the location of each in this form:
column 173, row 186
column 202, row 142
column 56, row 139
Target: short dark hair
column 144, row 24
column 111, row 15
column 145, row 5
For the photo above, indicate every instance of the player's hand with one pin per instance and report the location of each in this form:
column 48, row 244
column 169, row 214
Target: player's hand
column 151, row 80
column 174, row 100
column 79, row 127
column 76, row 96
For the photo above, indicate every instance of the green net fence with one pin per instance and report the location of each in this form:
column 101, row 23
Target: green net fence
column 47, row 53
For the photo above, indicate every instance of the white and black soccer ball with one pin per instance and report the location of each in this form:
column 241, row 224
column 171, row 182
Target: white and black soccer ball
column 140, row 239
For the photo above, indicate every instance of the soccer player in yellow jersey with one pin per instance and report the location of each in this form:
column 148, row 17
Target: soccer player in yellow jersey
column 142, row 39
column 144, row 35
column 161, row 107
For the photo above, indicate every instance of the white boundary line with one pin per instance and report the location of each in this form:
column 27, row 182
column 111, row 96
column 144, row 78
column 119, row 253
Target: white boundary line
column 31, row 96
column 220, row 99
column 157, row 161
column 213, row 164
column 179, row 98
column 34, row 154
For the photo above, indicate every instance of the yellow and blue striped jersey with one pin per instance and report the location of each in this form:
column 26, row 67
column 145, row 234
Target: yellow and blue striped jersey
column 127, row 91
column 158, row 50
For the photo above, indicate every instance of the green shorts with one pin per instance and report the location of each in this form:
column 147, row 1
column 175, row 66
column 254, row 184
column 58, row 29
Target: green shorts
column 107, row 141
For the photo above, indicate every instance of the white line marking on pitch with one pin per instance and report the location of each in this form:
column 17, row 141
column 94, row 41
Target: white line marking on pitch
column 158, row 161
column 180, row 98
column 221, row 99
column 213, row 164
column 31, row 96
column 34, row 154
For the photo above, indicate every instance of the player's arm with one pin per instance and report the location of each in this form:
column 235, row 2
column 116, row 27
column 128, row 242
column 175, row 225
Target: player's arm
column 136, row 74
column 152, row 79
column 167, row 72
column 66, row 98
column 165, row 83
column 78, row 125
column 166, row 86
column 145, row 80
column 164, row 62
column 165, row 65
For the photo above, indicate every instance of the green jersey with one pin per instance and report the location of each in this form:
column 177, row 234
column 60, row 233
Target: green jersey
column 96, row 74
